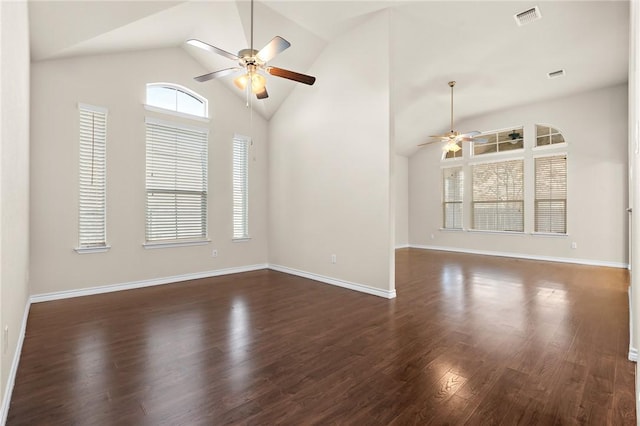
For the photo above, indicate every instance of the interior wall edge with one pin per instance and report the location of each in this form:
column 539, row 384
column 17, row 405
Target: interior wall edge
column 387, row 294
column 8, row 391
column 588, row 262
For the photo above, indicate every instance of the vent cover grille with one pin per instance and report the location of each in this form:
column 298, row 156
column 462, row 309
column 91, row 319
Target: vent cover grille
column 555, row 74
column 528, row 16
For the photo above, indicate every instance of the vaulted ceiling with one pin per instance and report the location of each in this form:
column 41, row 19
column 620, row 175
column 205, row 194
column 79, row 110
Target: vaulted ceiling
column 496, row 63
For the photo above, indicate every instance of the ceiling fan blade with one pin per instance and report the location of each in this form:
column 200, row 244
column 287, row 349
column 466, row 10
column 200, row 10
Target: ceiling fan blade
column 300, row 78
column 428, row 143
column 274, row 47
column 209, row 48
column 479, row 140
column 441, row 137
column 216, row 74
column 262, row 94
column 470, row 134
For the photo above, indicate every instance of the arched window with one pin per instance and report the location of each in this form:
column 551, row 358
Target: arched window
column 173, row 97
column 547, row 135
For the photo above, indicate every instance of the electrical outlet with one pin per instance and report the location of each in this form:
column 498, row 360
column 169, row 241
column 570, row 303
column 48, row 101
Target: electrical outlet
column 214, row 253
column 334, row 259
column 5, row 339
column 574, row 245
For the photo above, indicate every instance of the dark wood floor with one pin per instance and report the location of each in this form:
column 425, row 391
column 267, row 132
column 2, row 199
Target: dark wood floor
column 469, row 339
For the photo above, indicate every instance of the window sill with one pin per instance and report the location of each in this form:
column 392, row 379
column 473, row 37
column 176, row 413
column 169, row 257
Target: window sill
column 241, row 240
column 169, row 244
column 550, row 146
column 549, row 234
column 494, row 157
column 482, row 231
column 88, row 250
column 451, row 229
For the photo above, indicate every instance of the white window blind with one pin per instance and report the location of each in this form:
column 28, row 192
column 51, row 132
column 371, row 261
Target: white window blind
column 452, row 193
column 176, row 182
column 92, row 177
column 240, row 187
column 551, row 194
column 498, row 196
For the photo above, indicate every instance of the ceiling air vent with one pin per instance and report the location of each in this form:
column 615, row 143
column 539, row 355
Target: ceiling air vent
column 555, row 74
column 528, row 16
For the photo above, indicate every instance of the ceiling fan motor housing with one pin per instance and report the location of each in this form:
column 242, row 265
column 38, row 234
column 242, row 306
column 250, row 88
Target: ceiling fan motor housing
column 249, row 57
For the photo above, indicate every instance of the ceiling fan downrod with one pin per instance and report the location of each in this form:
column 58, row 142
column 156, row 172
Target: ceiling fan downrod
column 451, row 84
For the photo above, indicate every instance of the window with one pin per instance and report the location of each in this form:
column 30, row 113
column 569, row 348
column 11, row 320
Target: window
column 92, row 230
column 452, row 191
column 176, row 98
column 551, row 194
column 498, row 196
column 507, row 140
column 176, row 182
column 546, row 135
column 451, row 154
column 240, row 187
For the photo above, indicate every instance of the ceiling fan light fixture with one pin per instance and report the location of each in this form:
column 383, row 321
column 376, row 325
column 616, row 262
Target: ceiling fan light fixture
column 258, row 82
column 241, row 82
column 452, row 147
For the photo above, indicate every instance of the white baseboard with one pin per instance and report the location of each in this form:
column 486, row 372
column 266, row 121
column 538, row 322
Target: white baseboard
column 387, row 294
column 633, row 354
column 58, row 295
column 401, row 246
column 525, row 256
column 11, row 379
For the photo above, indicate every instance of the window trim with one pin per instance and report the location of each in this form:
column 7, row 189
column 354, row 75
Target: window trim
column 175, row 112
column 559, row 146
column 452, row 160
column 105, row 246
column 151, row 245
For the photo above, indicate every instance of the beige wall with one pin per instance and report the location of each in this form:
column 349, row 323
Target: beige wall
column 402, row 201
column 595, row 126
column 14, row 176
column 331, row 165
column 117, row 82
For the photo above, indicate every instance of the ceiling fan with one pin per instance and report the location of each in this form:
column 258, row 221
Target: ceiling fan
column 252, row 61
column 453, row 138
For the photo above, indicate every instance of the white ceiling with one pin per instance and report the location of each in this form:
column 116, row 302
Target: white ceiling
column 496, row 63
